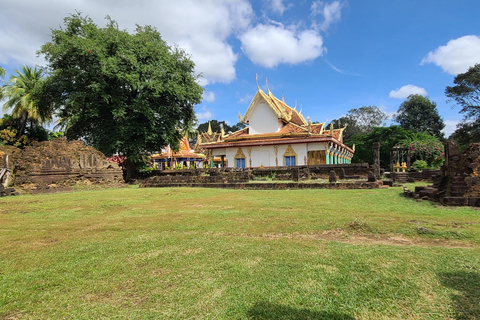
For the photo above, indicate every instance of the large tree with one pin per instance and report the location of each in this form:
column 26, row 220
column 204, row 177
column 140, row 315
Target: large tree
column 122, row 93
column 3, row 73
column 467, row 132
column 388, row 137
column 360, row 121
column 466, row 92
column 19, row 92
column 419, row 114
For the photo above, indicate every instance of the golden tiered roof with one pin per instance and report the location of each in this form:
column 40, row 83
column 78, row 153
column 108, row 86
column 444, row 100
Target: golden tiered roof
column 183, row 152
column 295, row 129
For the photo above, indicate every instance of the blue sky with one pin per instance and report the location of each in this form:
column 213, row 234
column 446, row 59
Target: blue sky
column 325, row 56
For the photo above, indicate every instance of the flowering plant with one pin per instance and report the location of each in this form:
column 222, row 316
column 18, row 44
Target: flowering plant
column 425, row 147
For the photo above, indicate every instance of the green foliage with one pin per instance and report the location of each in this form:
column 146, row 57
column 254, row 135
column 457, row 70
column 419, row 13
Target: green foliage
column 20, row 93
column 121, row 93
column 3, row 73
column 7, row 137
column 419, row 165
column 360, row 121
column 419, row 114
column 55, row 134
column 467, row 132
column 466, row 92
column 178, row 166
column 9, row 132
column 388, row 137
column 216, row 126
column 424, row 147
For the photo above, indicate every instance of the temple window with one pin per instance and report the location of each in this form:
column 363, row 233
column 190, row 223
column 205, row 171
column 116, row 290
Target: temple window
column 239, row 163
column 240, row 159
column 290, row 157
column 290, row 161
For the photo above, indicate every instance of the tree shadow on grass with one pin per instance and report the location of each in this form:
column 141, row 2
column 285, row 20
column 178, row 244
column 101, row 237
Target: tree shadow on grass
column 266, row 310
column 467, row 303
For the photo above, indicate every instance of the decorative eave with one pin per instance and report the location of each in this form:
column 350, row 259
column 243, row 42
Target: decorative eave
column 165, row 155
column 291, row 139
column 281, row 109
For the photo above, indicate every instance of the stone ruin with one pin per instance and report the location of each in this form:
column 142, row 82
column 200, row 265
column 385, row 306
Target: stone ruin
column 298, row 177
column 458, row 183
column 5, row 176
column 57, row 164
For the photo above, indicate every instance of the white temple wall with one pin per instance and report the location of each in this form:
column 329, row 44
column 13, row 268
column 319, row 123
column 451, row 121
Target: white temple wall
column 264, row 155
column 263, row 119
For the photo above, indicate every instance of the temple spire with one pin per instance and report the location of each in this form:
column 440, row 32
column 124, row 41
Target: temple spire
column 210, row 132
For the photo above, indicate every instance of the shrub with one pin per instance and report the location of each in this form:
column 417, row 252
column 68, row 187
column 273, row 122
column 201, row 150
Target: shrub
column 420, row 165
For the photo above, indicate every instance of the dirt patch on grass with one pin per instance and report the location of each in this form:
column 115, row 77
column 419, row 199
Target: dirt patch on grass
column 368, row 239
column 388, row 239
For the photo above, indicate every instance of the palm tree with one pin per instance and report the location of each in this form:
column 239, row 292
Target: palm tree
column 19, row 92
column 3, row 73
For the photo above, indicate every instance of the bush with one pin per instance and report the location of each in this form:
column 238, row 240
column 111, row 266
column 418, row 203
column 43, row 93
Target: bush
column 419, row 165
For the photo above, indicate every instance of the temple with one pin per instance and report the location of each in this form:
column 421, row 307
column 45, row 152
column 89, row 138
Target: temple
column 184, row 158
column 276, row 135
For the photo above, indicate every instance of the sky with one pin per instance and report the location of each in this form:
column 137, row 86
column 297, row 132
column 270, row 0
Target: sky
column 326, row 57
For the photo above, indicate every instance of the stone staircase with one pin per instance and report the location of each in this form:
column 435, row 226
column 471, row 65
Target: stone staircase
column 459, row 186
column 401, row 177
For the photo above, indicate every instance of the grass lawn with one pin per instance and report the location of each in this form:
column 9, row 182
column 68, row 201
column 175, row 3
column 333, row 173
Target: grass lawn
column 180, row 253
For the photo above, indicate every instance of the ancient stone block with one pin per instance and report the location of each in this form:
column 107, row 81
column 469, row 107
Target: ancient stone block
column 333, row 176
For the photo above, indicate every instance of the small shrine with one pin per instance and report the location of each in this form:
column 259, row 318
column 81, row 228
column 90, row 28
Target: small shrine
column 209, row 137
column 184, row 158
column 400, row 159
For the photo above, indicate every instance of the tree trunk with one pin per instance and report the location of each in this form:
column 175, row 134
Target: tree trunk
column 129, row 170
column 23, row 125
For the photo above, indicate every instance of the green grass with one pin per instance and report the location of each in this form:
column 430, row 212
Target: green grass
column 179, row 253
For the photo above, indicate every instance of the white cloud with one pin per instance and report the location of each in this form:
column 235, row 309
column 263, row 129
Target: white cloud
column 457, row 55
column 208, row 96
column 330, row 12
column 270, row 45
column 204, row 114
column 406, row 91
column 202, row 28
column 450, row 127
column 390, row 114
column 246, row 99
column 277, row 6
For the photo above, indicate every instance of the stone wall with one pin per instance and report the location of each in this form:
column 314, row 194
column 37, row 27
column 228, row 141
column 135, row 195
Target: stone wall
column 303, row 177
column 458, row 183
column 59, row 163
column 354, row 170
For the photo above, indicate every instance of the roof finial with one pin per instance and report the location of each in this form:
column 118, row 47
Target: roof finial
column 295, row 105
column 266, row 81
column 301, row 108
column 256, row 79
column 210, row 132
column 283, row 98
